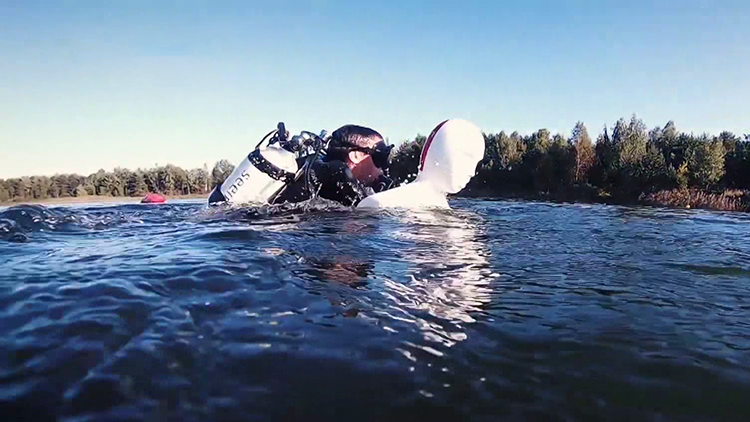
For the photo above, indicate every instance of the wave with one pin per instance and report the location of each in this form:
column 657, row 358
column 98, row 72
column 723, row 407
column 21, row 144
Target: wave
column 19, row 223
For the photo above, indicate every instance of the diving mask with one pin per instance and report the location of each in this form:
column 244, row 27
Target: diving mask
column 380, row 152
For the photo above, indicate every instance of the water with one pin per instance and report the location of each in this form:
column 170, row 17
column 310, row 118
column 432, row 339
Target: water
column 495, row 310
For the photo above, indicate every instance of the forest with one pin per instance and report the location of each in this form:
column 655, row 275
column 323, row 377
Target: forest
column 626, row 163
column 168, row 179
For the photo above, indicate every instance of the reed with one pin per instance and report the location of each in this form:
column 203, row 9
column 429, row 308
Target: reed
column 729, row 200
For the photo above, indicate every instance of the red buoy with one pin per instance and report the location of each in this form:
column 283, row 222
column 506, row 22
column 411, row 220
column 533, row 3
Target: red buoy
column 153, row 198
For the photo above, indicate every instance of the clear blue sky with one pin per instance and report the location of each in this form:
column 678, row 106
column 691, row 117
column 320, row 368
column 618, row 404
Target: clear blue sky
column 97, row 84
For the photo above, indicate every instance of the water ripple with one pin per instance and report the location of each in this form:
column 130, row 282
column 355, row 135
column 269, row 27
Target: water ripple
column 493, row 310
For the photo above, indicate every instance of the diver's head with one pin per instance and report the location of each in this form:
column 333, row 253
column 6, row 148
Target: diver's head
column 450, row 155
column 362, row 149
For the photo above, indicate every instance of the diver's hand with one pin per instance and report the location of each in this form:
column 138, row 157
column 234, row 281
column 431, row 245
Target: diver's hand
column 339, row 184
column 382, row 184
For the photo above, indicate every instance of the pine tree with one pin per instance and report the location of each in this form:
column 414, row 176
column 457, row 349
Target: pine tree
column 707, row 162
column 584, row 153
column 222, row 170
column 406, row 160
column 135, row 186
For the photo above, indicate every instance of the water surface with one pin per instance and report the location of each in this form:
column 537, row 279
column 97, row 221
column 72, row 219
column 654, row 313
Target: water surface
column 495, row 310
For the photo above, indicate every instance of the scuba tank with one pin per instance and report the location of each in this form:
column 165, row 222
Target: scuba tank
column 267, row 170
column 264, row 171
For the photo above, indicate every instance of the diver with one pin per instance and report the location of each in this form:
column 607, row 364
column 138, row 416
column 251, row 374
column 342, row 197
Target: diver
column 346, row 167
column 353, row 166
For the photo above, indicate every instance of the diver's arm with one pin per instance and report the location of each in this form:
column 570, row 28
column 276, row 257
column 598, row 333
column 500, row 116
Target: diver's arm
column 339, row 184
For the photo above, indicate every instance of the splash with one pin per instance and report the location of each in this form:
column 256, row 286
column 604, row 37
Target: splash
column 276, row 212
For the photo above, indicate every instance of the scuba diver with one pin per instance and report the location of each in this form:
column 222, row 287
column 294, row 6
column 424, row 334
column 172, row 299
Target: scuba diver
column 346, row 167
column 353, row 167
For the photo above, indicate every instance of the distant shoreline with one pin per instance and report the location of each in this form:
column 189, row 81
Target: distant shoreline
column 678, row 198
column 94, row 199
column 728, row 200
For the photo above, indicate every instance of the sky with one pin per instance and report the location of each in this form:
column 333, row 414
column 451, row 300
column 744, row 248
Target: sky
column 89, row 85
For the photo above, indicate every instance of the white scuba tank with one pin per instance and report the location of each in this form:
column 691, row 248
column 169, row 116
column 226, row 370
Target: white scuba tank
column 250, row 184
column 448, row 161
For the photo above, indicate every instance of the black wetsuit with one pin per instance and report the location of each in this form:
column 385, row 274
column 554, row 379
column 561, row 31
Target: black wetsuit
column 331, row 180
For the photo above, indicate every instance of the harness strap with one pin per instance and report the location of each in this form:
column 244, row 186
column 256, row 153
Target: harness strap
column 268, row 167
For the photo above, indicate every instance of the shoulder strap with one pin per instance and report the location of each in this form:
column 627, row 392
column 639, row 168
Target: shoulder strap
column 267, row 167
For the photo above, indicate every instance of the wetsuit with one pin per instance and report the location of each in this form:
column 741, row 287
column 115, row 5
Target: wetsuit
column 332, row 180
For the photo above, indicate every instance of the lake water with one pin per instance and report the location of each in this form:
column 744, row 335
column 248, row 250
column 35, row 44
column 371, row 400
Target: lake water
column 496, row 310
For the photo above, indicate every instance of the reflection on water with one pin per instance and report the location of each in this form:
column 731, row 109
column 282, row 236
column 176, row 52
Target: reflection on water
column 448, row 275
column 443, row 275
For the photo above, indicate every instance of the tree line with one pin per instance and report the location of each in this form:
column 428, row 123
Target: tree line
column 626, row 162
column 168, row 180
